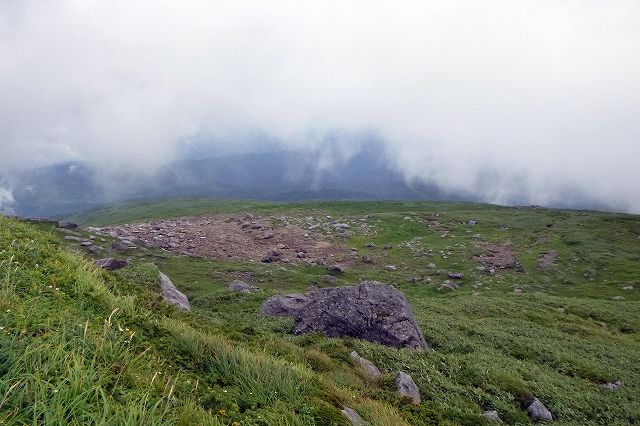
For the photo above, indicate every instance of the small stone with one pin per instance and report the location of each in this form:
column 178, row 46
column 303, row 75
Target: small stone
column 301, row 255
column 627, row 288
column 617, row 298
column 329, row 279
column 367, row 259
column 612, row 385
column 493, row 416
column 407, row 387
column 67, row 225
column 242, row 287
column 432, row 266
column 353, row 417
column 368, row 368
column 371, row 245
column 455, row 275
column 268, row 235
column 472, row 222
column 538, row 411
column 335, row 268
column 449, row 285
column 390, row 267
column 110, row 264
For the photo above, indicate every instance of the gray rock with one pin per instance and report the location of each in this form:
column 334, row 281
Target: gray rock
column 538, row 411
column 367, row 259
column 407, row 387
column 472, row 222
column 368, row 368
column 268, row 235
column 242, row 287
column 94, row 249
column 172, row 295
column 73, row 238
column 120, row 246
column 284, row 305
column 110, row 263
column 86, row 243
column 390, row 267
column 370, row 245
column 612, row 385
column 455, row 275
column 335, row 268
column 449, row 285
column 627, row 287
column 371, row 311
column 330, row 279
column 67, row 225
column 493, row 416
column 432, row 266
column 353, row 417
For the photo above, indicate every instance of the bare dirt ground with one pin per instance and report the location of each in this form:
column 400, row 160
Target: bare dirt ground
column 498, row 256
column 248, row 237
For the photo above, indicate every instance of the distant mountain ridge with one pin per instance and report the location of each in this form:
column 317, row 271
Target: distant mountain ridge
column 274, row 176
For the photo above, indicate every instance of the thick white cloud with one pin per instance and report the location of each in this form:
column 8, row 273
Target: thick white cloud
column 493, row 97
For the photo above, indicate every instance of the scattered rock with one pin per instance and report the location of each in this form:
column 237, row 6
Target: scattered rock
column 449, row 285
column 617, row 298
column 301, row 255
column 371, row 311
column 472, row 222
column 627, row 287
column 537, row 411
column 612, row 385
column 335, row 268
column 268, row 235
column 407, row 387
column 455, row 275
column 73, row 238
column 110, row 263
column 371, row 245
column 172, row 295
column 353, row 417
column 242, row 287
column 330, row 279
column 547, row 259
column 67, row 225
column 367, row 259
column 368, row 368
column 284, row 305
column 493, row 416
column 387, row 247
column 390, row 267
column 432, row 266
column 120, row 246
column 94, row 249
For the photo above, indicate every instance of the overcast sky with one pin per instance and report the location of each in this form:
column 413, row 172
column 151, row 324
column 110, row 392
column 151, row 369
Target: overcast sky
column 496, row 97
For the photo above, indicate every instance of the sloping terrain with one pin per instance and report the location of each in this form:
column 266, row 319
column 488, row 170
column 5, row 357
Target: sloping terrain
column 515, row 303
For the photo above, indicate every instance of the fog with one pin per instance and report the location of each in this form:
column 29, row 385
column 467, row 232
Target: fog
column 502, row 99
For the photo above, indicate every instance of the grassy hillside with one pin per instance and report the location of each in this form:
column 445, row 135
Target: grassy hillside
column 87, row 346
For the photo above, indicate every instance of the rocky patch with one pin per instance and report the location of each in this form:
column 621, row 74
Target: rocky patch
column 497, row 255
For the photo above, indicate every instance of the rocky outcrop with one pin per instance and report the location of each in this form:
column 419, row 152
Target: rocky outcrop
column 283, row 306
column 493, row 416
column 172, row 295
column 372, row 311
column 407, row 387
column 110, row 263
column 369, row 370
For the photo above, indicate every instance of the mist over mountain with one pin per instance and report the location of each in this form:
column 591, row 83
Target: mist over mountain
column 277, row 176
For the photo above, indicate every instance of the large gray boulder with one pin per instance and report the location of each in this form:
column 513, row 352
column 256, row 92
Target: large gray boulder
column 284, row 305
column 172, row 295
column 371, row 311
column 407, row 387
column 368, row 368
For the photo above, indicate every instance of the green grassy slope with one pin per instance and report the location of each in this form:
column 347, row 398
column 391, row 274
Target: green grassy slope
column 559, row 338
